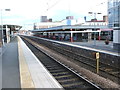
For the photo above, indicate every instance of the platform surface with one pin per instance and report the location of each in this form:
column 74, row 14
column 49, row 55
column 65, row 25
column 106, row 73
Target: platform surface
column 10, row 65
column 39, row 74
column 99, row 46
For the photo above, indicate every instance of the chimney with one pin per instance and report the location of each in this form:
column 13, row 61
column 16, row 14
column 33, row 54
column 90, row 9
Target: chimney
column 105, row 18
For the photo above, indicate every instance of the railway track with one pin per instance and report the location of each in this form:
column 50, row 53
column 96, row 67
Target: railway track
column 64, row 75
column 106, row 70
column 89, row 61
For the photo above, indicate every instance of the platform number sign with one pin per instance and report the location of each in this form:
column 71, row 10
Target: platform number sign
column 97, row 55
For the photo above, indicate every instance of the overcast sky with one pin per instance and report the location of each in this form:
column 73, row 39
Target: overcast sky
column 27, row 12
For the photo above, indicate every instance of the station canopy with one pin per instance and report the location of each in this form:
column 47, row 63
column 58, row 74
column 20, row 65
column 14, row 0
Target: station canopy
column 69, row 28
column 12, row 27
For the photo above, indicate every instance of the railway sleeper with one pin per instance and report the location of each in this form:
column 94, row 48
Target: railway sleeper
column 73, row 82
column 64, row 77
column 63, row 74
column 60, row 73
column 66, row 80
column 60, row 70
column 74, row 85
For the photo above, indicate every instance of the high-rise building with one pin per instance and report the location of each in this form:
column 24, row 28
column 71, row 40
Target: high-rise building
column 114, row 13
column 114, row 21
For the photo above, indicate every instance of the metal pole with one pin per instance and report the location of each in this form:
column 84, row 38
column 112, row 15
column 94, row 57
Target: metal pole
column 97, row 62
column 97, row 66
column 94, row 29
column 71, row 36
column 99, row 36
column 2, row 28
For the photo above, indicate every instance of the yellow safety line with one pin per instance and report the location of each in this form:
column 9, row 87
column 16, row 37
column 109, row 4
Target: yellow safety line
column 25, row 76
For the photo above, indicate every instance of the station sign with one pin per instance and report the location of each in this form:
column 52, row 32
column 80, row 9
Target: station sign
column 97, row 55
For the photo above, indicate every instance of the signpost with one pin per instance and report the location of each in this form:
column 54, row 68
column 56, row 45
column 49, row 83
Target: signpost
column 97, row 64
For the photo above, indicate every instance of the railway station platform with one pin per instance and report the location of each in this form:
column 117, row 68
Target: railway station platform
column 21, row 68
column 99, row 45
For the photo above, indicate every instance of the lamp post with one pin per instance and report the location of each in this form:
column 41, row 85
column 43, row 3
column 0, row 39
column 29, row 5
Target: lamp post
column 94, row 24
column 2, row 35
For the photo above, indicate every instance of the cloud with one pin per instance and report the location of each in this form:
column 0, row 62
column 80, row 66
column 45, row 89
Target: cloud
column 29, row 11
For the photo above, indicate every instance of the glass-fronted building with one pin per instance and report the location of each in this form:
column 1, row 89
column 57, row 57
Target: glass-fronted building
column 114, row 21
column 114, row 13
